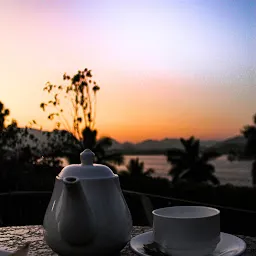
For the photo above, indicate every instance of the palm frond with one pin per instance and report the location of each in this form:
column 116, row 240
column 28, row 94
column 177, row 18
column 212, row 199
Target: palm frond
column 149, row 172
column 196, row 148
column 188, row 175
column 209, row 168
column 136, row 168
column 254, row 119
column 177, row 174
column 175, row 155
column 191, row 145
column 176, row 170
column 183, row 142
column 209, row 156
column 213, row 179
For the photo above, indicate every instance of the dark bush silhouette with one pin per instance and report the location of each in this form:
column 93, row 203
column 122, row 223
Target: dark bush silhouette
column 19, row 165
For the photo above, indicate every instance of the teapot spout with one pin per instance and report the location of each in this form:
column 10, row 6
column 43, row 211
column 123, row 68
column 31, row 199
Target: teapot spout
column 76, row 223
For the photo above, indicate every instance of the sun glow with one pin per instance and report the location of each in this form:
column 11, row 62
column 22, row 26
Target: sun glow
column 166, row 69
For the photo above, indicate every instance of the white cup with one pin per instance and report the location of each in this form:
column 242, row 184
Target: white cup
column 186, row 230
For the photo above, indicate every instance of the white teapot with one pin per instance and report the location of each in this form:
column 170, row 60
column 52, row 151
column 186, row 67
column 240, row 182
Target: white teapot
column 87, row 213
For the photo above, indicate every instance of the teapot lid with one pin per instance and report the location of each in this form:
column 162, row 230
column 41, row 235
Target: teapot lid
column 87, row 170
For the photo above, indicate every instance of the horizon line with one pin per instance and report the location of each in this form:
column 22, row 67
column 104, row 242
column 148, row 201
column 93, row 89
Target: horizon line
column 151, row 139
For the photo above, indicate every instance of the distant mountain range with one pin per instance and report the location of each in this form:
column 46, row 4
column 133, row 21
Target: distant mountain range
column 160, row 146
column 236, row 143
column 153, row 146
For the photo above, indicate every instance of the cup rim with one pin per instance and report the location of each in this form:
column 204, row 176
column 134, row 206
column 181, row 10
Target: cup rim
column 157, row 212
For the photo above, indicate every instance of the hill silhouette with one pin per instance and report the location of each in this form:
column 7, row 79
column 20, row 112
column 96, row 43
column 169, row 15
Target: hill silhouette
column 235, row 144
column 160, row 146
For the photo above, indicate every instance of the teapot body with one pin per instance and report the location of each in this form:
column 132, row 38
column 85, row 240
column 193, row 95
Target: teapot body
column 110, row 218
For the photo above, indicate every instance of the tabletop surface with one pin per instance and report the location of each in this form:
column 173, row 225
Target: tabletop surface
column 12, row 237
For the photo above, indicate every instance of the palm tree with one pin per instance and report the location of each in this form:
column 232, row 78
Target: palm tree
column 190, row 164
column 135, row 169
column 249, row 132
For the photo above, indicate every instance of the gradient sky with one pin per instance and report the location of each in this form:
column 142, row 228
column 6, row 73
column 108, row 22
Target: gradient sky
column 166, row 68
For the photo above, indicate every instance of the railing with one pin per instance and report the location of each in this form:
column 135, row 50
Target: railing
column 139, row 194
column 184, row 201
column 28, row 207
column 233, row 220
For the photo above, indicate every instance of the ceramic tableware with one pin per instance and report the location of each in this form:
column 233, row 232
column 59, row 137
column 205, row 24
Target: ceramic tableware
column 186, row 230
column 229, row 245
column 87, row 213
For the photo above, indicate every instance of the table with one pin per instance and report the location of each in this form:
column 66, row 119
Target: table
column 12, row 237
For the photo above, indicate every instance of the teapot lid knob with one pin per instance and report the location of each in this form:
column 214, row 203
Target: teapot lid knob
column 87, row 170
column 87, row 157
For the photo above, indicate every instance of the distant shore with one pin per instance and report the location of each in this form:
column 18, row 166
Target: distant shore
column 163, row 152
column 142, row 152
column 237, row 173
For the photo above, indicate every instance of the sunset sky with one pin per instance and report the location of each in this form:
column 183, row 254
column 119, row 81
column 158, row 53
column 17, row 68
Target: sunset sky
column 166, row 68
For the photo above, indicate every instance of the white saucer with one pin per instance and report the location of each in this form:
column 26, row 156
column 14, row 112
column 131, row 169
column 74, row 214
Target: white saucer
column 4, row 252
column 229, row 245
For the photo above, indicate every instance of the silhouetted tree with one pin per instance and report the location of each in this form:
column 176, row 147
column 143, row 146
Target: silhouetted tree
column 13, row 140
column 3, row 114
column 79, row 96
column 249, row 132
column 191, row 164
column 17, row 156
column 135, row 169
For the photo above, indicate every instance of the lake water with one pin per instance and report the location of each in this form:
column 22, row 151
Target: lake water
column 236, row 173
